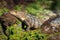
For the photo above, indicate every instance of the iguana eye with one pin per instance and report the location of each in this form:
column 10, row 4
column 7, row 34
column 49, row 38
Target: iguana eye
column 44, row 18
column 16, row 12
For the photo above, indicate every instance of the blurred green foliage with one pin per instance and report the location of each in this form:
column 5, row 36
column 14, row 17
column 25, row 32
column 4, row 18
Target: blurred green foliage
column 18, row 7
column 3, row 37
column 3, row 10
column 15, row 32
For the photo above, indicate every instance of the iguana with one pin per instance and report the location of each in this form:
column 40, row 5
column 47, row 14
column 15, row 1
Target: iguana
column 31, row 21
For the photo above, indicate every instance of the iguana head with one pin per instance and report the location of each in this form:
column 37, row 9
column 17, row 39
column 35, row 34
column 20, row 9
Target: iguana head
column 19, row 14
column 13, row 12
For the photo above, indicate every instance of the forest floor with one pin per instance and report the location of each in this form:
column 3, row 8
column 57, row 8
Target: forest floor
column 49, row 31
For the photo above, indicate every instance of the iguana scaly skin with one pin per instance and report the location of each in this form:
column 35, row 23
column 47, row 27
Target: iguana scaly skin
column 31, row 21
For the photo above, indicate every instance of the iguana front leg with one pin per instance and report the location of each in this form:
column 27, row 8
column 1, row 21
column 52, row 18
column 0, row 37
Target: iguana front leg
column 27, row 23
